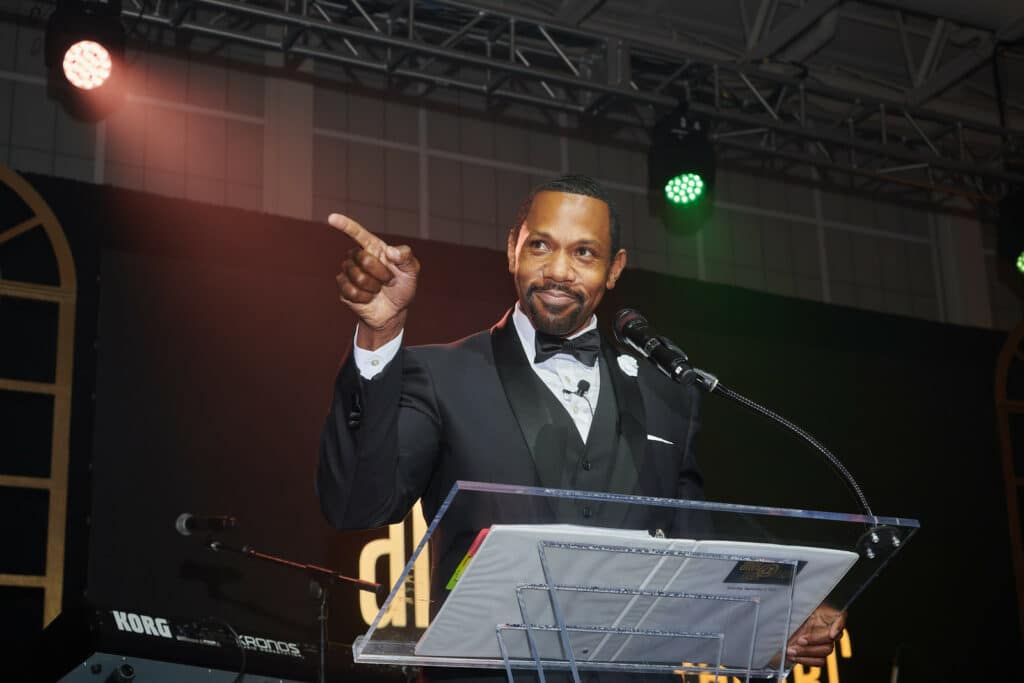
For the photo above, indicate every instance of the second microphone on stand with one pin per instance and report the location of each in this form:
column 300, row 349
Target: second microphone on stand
column 187, row 523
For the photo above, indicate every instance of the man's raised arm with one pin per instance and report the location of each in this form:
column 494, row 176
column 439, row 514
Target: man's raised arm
column 358, row 469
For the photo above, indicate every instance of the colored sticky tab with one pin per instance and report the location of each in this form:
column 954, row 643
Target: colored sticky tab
column 465, row 560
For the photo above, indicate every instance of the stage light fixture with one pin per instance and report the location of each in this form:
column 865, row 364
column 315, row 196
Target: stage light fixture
column 84, row 47
column 87, row 64
column 1010, row 230
column 681, row 172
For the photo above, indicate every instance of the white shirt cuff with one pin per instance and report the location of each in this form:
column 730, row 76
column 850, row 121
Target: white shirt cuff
column 372, row 362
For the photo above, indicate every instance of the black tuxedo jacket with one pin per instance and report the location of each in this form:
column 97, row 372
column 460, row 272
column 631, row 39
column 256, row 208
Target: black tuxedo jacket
column 472, row 410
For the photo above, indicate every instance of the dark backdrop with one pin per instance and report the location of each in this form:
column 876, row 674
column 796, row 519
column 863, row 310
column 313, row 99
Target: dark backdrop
column 219, row 334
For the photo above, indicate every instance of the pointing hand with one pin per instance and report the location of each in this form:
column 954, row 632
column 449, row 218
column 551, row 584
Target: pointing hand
column 377, row 282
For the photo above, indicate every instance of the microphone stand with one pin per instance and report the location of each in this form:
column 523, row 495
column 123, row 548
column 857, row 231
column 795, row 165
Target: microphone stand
column 320, row 578
column 879, row 541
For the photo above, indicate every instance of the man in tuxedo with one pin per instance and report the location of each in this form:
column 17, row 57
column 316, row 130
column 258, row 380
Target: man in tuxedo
column 540, row 399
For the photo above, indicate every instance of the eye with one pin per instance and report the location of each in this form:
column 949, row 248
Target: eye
column 586, row 252
column 537, row 244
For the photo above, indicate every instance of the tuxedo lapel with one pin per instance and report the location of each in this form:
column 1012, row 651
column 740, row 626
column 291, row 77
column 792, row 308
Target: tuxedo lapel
column 632, row 422
column 528, row 405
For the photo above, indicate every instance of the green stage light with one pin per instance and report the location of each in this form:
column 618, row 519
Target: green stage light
column 684, row 188
column 1010, row 233
column 681, row 172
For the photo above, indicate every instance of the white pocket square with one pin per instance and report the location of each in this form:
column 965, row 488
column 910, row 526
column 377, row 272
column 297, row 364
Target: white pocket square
column 652, row 437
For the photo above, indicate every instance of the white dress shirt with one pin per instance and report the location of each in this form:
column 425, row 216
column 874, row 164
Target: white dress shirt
column 561, row 373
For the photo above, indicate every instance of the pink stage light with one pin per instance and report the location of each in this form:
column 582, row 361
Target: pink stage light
column 87, row 65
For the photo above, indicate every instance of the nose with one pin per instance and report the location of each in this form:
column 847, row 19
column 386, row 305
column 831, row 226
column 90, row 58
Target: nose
column 559, row 267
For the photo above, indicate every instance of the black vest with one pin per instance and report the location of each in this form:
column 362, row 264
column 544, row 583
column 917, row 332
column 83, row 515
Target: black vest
column 590, row 466
column 615, row 445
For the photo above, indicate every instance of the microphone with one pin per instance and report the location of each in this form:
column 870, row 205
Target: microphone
column 633, row 330
column 188, row 523
column 581, row 389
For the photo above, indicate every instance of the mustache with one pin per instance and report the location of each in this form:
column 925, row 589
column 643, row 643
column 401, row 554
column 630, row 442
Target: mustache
column 534, row 289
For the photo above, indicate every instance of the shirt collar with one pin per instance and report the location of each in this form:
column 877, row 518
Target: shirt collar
column 528, row 335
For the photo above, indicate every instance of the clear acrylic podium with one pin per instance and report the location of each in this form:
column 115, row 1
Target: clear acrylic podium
column 573, row 581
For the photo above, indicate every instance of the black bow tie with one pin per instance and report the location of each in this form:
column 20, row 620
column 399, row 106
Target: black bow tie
column 583, row 348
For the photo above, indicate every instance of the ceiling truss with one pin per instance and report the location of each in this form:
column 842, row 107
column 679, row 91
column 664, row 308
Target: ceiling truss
column 776, row 115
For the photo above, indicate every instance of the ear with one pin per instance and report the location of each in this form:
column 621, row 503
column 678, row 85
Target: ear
column 618, row 264
column 513, row 242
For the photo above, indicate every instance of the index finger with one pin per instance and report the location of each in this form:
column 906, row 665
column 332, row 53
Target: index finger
column 363, row 237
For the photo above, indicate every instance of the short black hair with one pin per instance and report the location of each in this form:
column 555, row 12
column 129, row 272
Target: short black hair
column 572, row 184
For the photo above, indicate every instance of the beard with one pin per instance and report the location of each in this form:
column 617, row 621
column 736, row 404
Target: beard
column 563, row 321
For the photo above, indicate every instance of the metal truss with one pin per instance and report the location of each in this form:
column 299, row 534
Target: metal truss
column 774, row 116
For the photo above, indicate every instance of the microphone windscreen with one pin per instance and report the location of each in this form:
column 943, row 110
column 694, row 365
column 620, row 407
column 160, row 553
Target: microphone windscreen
column 626, row 319
column 181, row 524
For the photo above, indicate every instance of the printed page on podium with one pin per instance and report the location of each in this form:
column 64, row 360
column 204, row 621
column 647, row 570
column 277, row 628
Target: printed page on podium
column 725, row 602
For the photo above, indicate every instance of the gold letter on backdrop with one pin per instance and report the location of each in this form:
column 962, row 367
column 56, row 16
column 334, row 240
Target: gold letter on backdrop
column 393, row 549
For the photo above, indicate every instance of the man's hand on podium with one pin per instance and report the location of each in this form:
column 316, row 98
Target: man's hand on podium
column 816, row 638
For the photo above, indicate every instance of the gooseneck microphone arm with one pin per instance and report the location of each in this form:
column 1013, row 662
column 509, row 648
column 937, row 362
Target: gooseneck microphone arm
column 817, row 445
column 633, row 330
